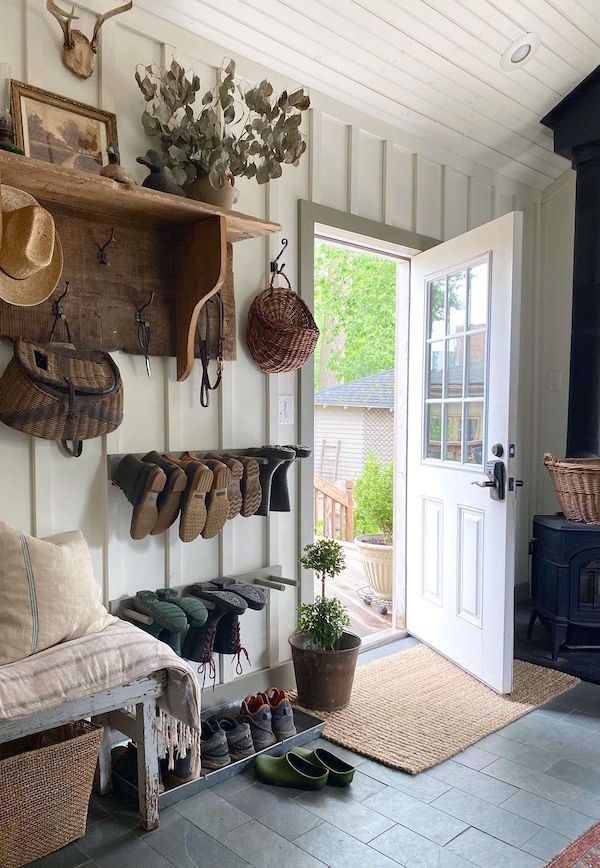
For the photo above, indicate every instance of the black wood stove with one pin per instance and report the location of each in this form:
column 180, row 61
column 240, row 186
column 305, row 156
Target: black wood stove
column 566, row 581
column 566, row 554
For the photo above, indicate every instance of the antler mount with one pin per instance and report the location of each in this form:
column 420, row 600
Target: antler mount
column 79, row 52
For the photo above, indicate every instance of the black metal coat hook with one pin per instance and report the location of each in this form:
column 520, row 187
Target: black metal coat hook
column 59, row 314
column 279, row 269
column 275, row 269
column 102, row 253
column 144, row 331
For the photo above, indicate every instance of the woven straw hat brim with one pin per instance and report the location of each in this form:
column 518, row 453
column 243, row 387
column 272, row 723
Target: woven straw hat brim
column 36, row 289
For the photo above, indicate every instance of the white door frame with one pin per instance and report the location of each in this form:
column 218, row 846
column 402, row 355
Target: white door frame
column 386, row 238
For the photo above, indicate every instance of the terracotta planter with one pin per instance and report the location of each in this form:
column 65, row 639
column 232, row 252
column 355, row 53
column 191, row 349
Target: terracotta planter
column 378, row 562
column 202, row 190
column 324, row 678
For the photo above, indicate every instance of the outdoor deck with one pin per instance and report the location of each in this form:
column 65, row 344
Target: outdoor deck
column 365, row 620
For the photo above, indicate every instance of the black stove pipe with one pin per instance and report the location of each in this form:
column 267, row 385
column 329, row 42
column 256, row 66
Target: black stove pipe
column 576, row 125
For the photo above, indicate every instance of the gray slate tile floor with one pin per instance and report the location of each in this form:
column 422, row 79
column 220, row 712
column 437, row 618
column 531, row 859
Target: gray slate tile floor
column 514, row 800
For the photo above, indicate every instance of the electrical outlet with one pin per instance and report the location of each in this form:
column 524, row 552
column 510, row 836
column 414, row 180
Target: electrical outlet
column 286, row 409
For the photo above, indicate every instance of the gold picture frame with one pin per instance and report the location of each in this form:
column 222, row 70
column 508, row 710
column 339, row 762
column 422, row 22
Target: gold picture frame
column 59, row 130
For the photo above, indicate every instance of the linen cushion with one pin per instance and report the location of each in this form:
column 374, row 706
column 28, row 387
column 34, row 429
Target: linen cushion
column 48, row 593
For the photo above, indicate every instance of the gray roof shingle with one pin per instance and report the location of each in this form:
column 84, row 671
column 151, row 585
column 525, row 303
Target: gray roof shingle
column 374, row 391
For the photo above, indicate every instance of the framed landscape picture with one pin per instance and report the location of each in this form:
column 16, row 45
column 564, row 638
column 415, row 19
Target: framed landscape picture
column 62, row 131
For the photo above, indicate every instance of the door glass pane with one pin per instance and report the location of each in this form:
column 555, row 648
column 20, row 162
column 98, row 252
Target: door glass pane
column 436, row 366
column 433, row 446
column 453, row 432
column 437, row 298
column 454, row 367
column 475, row 365
column 478, row 295
column 457, row 302
column 474, row 432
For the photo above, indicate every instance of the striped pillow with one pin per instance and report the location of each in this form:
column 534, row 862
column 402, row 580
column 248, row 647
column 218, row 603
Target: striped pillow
column 48, row 593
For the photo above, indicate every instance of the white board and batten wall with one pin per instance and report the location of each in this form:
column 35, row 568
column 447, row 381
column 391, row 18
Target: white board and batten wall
column 355, row 163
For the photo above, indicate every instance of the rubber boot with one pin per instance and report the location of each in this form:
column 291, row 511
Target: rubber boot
column 275, row 456
column 195, row 610
column 169, row 500
column 193, row 502
column 280, row 495
column 169, row 617
column 141, row 484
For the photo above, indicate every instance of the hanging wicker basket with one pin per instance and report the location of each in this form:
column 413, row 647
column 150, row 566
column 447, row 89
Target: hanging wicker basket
column 577, row 485
column 282, row 334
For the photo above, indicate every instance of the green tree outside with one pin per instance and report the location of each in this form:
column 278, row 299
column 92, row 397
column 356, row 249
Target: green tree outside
column 355, row 309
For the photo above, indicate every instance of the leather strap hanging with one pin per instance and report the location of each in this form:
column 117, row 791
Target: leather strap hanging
column 204, row 348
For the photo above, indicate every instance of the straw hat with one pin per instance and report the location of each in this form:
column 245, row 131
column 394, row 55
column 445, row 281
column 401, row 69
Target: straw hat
column 31, row 257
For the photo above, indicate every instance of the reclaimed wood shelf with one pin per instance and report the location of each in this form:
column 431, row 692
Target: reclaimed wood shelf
column 169, row 245
column 104, row 197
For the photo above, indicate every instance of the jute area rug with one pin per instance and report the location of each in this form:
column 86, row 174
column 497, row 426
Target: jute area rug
column 415, row 709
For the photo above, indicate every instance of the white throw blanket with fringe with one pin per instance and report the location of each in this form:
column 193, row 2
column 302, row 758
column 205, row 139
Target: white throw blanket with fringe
column 119, row 654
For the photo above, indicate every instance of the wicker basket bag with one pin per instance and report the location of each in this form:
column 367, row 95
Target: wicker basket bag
column 577, row 485
column 45, row 786
column 282, row 334
column 56, row 392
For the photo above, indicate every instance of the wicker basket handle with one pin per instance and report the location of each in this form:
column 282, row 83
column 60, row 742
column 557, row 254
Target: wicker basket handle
column 549, row 458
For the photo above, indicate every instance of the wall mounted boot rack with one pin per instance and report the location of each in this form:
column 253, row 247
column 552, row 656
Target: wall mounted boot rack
column 177, row 248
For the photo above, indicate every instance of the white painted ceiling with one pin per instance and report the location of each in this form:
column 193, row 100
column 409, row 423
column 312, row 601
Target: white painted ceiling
column 431, row 67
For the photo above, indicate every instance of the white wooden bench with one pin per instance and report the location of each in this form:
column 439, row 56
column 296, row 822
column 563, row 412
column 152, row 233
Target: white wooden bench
column 106, row 709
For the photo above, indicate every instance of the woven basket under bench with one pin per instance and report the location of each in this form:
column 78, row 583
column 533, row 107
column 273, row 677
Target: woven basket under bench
column 45, row 787
column 577, row 486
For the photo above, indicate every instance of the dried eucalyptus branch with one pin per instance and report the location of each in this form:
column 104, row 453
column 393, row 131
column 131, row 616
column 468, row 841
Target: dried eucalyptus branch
column 237, row 132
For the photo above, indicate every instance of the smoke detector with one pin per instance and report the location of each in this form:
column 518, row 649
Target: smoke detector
column 519, row 52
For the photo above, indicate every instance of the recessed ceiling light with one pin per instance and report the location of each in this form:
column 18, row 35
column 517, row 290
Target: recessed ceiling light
column 519, row 52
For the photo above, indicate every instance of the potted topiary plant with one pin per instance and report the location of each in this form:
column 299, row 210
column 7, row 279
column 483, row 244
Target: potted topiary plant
column 323, row 652
column 374, row 509
column 239, row 130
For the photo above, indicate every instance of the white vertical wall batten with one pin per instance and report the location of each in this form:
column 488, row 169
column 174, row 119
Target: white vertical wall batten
column 480, row 203
column 428, row 197
column 456, row 203
column 354, row 163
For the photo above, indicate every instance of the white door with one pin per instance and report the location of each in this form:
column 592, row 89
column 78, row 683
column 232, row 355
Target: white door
column 462, row 403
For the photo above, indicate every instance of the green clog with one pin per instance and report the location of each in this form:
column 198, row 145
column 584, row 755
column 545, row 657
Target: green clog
column 290, row 770
column 341, row 774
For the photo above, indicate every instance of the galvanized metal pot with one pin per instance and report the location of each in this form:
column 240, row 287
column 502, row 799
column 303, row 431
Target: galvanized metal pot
column 324, row 678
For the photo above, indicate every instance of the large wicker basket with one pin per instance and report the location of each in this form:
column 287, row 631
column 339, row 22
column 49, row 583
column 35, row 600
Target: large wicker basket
column 45, row 786
column 577, row 485
column 282, row 334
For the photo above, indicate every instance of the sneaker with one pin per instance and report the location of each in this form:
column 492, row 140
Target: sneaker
column 257, row 712
column 213, row 745
column 239, row 738
column 282, row 715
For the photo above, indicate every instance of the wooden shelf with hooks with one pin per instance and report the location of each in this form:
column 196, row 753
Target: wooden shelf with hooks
column 177, row 248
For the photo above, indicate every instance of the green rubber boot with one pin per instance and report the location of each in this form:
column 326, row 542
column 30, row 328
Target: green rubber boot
column 341, row 774
column 195, row 610
column 170, row 618
column 290, row 770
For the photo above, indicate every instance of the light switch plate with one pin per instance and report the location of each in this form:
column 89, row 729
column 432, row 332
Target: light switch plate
column 554, row 381
column 286, row 409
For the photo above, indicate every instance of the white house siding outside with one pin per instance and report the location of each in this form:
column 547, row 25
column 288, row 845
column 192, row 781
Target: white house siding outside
column 356, row 431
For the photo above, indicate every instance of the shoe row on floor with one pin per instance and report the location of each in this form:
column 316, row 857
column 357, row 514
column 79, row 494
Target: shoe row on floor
column 263, row 720
column 205, row 489
column 202, row 623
